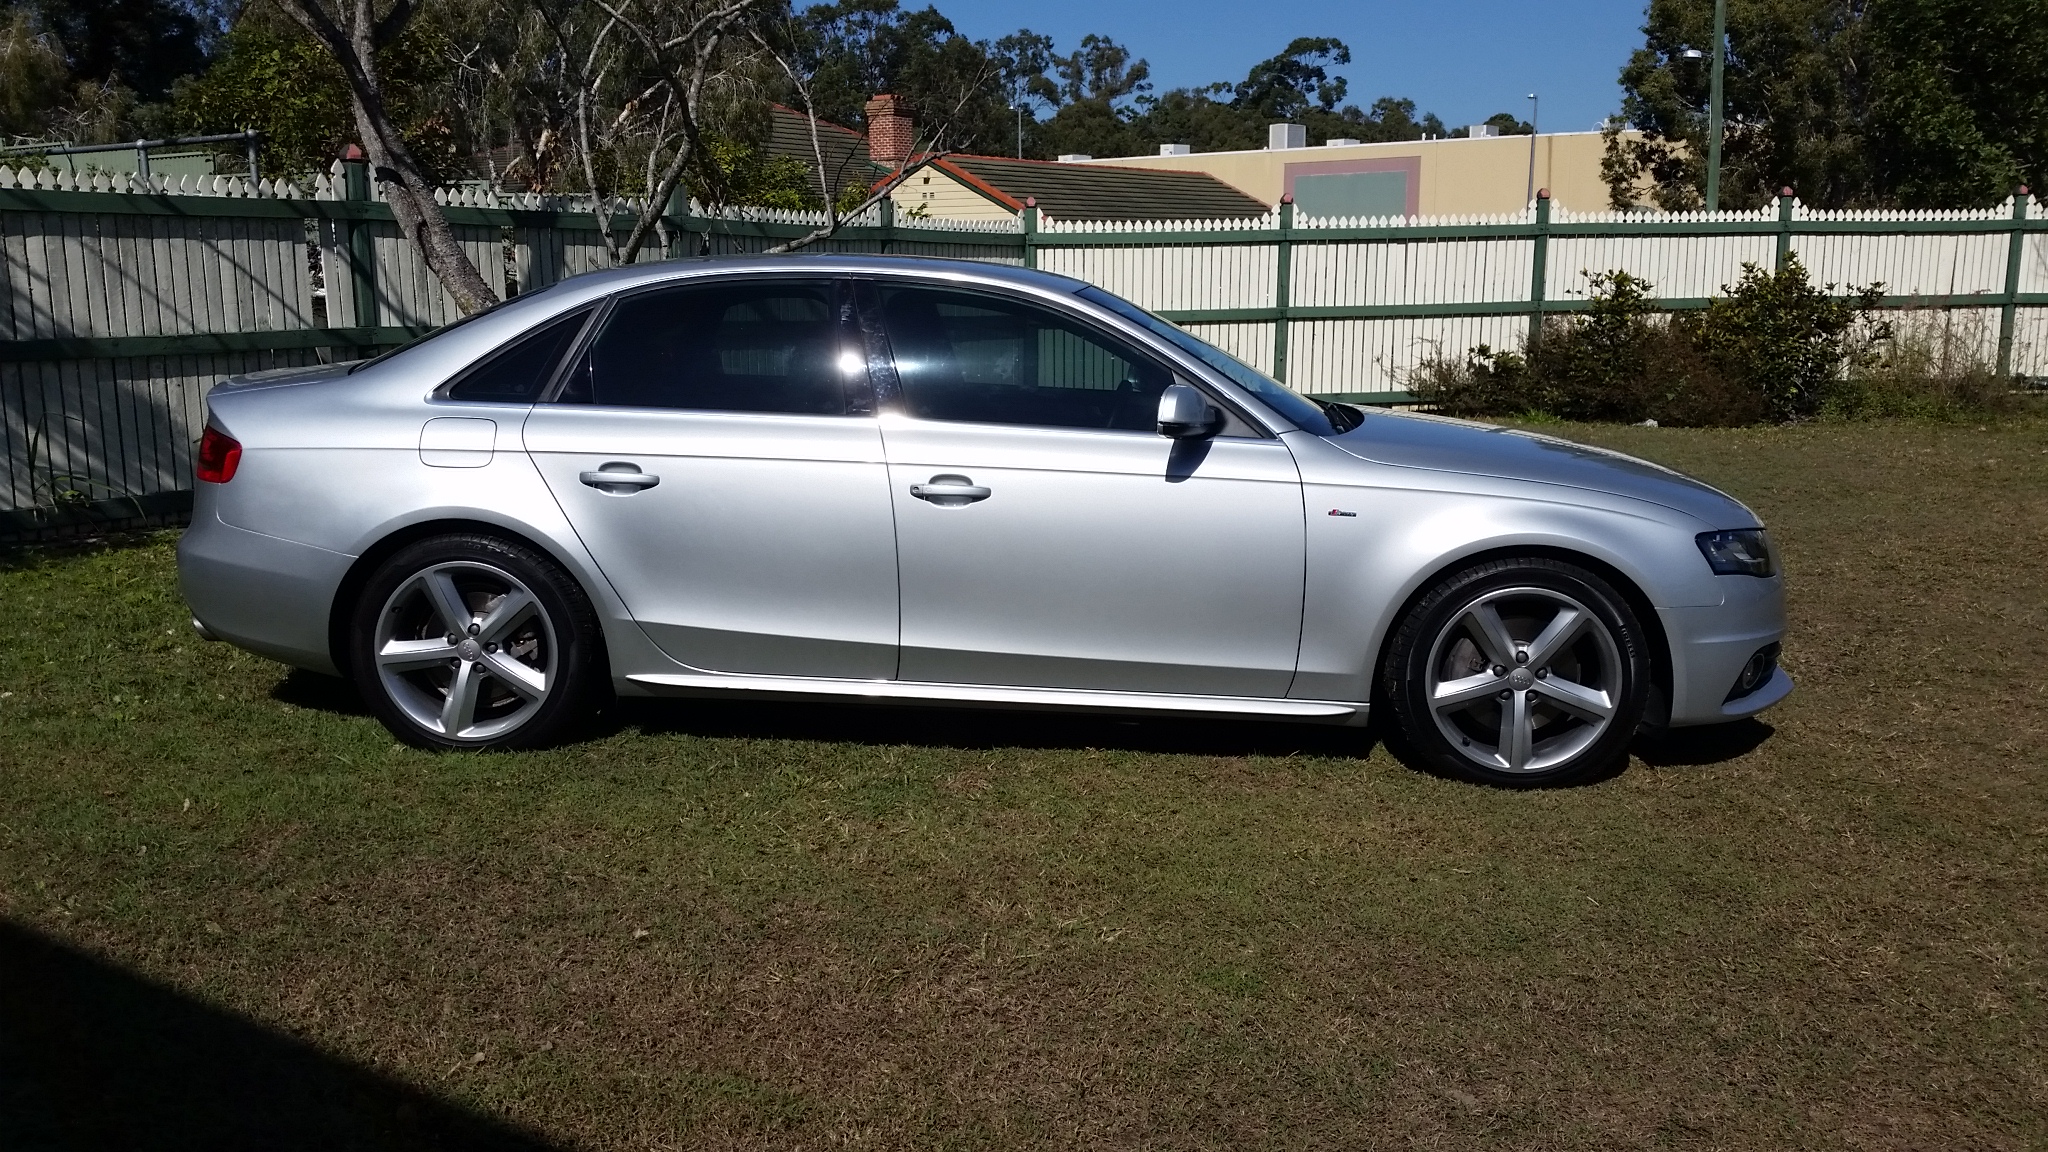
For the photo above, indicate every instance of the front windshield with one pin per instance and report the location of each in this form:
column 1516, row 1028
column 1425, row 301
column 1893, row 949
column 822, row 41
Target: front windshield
column 1322, row 417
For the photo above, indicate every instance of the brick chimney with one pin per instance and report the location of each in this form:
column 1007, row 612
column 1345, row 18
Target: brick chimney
column 891, row 134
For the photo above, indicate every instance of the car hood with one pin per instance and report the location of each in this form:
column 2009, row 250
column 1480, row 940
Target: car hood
column 1417, row 440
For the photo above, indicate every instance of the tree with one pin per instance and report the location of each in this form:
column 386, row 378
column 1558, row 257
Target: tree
column 352, row 32
column 142, row 45
column 854, row 49
column 1959, row 113
column 1909, row 103
column 1297, row 81
column 274, row 78
column 645, row 74
column 33, row 76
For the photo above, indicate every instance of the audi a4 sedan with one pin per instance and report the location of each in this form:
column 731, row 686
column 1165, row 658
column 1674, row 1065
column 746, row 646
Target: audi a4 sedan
column 938, row 482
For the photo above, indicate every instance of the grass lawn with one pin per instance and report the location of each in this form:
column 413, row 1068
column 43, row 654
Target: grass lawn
column 232, row 910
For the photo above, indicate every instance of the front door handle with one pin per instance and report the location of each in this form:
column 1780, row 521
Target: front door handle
column 949, row 491
column 619, row 479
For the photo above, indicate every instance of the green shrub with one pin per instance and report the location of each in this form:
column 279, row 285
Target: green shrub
column 1772, row 348
column 1787, row 340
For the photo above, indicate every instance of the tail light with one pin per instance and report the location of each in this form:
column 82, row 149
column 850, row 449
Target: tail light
column 219, row 455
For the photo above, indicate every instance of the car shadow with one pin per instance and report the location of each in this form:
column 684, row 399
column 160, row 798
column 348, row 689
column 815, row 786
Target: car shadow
column 975, row 728
column 320, row 693
column 93, row 1056
column 1698, row 747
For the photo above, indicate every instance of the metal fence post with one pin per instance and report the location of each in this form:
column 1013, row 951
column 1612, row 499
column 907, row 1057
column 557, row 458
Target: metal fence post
column 1283, row 286
column 1784, row 228
column 1539, row 273
column 2015, row 255
column 362, row 251
column 1030, row 219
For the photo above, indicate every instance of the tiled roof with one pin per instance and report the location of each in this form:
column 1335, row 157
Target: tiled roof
column 1102, row 192
column 846, row 151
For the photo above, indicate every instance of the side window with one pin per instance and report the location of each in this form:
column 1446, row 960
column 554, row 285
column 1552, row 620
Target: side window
column 518, row 372
column 760, row 346
column 991, row 360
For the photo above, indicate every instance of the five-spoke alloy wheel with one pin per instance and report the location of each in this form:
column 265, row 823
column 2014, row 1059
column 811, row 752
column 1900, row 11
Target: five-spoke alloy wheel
column 1522, row 671
column 473, row 642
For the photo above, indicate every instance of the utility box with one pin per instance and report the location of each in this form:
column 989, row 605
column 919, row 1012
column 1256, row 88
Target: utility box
column 1279, row 136
column 1482, row 131
column 1176, row 150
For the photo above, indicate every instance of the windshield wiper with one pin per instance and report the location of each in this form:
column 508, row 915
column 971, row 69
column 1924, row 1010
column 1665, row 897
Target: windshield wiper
column 1343, row 417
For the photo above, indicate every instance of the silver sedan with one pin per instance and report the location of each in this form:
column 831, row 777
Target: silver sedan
column 937, row 482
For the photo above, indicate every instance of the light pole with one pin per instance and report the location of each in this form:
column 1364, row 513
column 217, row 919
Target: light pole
column 1714, row 107
column 1714, row 127
column 1534, row 106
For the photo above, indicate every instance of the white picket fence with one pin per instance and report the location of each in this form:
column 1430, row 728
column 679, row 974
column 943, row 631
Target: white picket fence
column 118, row 311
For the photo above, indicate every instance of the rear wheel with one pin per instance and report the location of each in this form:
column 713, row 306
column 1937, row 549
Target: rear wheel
column 1520, row 672
column 469, row 641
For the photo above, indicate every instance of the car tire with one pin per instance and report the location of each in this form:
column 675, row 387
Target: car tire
column 1519, row 672
column 471, row 641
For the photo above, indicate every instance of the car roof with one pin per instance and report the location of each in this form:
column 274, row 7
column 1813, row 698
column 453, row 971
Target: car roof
column 834, row 264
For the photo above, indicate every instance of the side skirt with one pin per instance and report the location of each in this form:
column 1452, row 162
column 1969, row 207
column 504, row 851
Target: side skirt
column 989, row 696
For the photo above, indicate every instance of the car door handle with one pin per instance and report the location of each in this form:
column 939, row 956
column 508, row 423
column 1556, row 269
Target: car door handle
column 949, row 490
column 620, row 483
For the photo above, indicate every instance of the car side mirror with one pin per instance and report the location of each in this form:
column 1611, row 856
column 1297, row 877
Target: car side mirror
column 1185, row 413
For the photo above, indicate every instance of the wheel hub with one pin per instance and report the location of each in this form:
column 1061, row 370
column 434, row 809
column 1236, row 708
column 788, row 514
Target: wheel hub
column 1523, row 679
column 465, row 650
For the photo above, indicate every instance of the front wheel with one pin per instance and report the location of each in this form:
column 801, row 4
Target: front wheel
column 1520, row 672
column 470, row 641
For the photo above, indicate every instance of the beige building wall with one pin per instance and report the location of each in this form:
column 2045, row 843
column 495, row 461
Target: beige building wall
column 1487, row 175
column 943, row 197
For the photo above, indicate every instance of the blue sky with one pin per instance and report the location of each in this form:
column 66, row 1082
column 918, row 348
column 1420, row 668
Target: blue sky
column 1462, row 59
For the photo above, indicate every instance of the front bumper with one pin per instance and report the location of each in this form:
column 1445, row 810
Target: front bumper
column 1709, row 646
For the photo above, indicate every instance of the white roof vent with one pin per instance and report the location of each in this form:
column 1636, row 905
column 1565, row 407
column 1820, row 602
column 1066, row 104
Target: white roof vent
column 1176, row 150
column 1339, row 142
column 1279, row 136
column 1074, row 157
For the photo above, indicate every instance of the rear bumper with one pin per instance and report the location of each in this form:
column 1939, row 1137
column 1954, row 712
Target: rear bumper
column 1709, row 646
column 270, row 596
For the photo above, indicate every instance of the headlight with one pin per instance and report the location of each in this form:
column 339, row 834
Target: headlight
column 1737, row 552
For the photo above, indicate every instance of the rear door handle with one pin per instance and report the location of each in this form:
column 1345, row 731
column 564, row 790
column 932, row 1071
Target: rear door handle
column 949, row 491
column 617, row 480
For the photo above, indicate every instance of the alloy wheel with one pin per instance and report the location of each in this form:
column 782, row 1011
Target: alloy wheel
column 466, row 650
column 1524, row 679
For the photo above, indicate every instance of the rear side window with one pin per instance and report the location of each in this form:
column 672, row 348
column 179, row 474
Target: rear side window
column 764, row 346
column 992, row 360
column 520, row 371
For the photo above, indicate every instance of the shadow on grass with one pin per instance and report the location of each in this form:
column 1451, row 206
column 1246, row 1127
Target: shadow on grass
column 1696, row 747
column 319, row 693
column 94, row 1057
column 969, row 728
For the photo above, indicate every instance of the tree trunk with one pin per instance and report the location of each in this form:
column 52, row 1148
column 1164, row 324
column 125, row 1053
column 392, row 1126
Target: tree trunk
column 406, row 186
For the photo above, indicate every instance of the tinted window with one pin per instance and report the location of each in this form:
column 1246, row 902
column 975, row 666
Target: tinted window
column 517, row 373
column 759, row 347
column 1319, row 416
column 992, row 360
